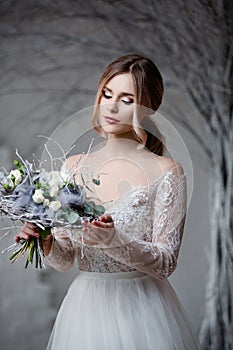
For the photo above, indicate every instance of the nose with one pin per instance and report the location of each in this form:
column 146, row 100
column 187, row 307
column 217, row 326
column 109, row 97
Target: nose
column 113, row 107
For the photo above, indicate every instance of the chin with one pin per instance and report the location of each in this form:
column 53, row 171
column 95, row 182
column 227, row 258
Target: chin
column 116, row 130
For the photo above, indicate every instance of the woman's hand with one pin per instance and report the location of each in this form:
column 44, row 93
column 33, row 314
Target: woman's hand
column 29, row 229
column 99, row 232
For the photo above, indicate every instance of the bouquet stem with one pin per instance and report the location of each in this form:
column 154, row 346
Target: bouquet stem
column 34, row 247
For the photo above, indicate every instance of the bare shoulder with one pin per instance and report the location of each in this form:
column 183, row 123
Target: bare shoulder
column 165, row 164
column 74, row 162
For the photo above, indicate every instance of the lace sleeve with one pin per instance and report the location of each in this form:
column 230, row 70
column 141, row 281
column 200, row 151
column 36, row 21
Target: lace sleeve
column 158, row 255
column 62, row 253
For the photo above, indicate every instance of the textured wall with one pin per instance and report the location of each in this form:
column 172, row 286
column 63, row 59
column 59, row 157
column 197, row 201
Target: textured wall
column 51, row 59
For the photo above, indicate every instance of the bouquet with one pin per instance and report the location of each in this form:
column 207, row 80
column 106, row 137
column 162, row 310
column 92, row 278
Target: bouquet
column 47, row 199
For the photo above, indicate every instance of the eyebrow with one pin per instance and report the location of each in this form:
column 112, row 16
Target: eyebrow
column 121, row 94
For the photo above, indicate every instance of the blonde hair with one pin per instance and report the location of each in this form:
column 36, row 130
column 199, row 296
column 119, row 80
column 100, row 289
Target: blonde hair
column 148, row 85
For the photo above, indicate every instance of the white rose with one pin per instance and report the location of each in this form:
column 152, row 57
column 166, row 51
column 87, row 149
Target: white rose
column 56, row 179
column 46, row 202
column 54, row 191
column 54, row 205
column 17, row 175
column 44, row 178
column 38, row 196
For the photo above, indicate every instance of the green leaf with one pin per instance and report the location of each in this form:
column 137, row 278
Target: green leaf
column 96, row 181
column 37, row 185
column 31, row 250
column 21, row 168
column 99, row 210
column 36, row 259
column 72, row 217
column 88, row 208
column 15, row 254
column 16, row 162
column 44, row 233
column 92, row 208
column 26, row 264
column 91, row 204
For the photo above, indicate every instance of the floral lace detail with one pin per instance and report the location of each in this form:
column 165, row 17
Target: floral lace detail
column 149, row 223
column 62, row 252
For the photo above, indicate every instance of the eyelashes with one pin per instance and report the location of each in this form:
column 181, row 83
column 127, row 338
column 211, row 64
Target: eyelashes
column 126, row 100
column 106, row 94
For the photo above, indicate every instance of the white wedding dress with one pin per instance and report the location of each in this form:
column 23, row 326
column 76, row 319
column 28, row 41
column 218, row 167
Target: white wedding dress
column 121, row 299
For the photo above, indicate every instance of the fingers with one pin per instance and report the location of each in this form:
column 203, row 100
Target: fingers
column 93, row 234
column 106, row 218
column 98, row 232
column 98, row 229
column 91, row 239
column 89, row 242
column 102, row 225
column 27, row 230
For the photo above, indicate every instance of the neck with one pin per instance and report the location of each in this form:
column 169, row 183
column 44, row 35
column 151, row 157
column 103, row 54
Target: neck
column 122, row 145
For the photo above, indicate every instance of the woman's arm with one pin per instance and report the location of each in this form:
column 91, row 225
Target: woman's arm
column 57, row 247
column 157, row 257
column 61, row 254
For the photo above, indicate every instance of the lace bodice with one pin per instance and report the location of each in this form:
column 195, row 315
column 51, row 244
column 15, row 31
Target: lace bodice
column 149, row 223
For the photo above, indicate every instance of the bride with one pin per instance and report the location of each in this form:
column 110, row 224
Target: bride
column 121, row 298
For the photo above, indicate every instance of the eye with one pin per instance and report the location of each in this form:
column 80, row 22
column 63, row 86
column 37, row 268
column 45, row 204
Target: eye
column 106, row 93
column 127, row 101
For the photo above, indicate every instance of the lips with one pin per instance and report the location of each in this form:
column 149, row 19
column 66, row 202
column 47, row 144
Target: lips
column 111, row 120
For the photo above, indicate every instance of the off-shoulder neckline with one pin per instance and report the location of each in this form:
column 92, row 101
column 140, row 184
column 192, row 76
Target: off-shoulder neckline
column 150, row 185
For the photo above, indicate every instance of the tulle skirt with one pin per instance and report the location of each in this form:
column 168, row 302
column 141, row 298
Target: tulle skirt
column 121, row 311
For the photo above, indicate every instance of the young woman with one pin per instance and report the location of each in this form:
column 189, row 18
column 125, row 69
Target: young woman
column 121, row 299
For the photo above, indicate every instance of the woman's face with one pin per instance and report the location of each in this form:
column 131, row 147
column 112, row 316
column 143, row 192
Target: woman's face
column 116, row 105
